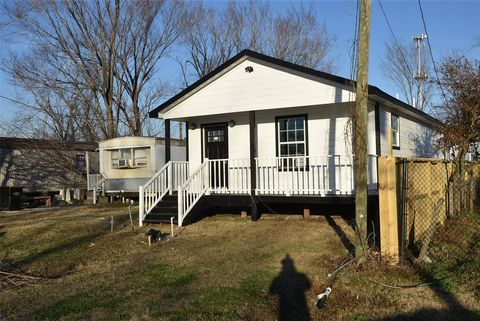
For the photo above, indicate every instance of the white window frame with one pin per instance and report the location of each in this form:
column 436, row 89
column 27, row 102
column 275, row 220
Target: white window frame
column 288, row 161
column 136, row 162
column 395, row 131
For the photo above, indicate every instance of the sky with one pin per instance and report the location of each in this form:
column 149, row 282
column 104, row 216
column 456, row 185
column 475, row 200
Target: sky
column 453, row 26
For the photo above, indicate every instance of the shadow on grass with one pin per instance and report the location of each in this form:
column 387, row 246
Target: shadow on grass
column 290, row 287
column 434, row 314
column 341, row 234
column 456, row 311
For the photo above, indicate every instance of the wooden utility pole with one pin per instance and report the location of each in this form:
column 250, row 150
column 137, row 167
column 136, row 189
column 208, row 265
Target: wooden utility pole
column 360, row 133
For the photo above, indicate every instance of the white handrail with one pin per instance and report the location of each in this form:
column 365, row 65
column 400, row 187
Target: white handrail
column 229, row 176
column 100, row 182
column 192, row 190
column 171, row 175
column 309, row 175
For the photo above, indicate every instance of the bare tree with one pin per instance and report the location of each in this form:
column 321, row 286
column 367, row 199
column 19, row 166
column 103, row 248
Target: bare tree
column 92, row 64
column 398, row 66
column 460, row 114
column 153, row 28
column 219, row 34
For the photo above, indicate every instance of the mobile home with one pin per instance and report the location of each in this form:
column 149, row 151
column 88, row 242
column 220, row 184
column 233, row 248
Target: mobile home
column 129, row 162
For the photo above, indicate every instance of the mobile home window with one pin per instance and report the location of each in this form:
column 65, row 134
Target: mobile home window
column 140, row 157
column 395, row 124
column 129, row 157
column 291, row 140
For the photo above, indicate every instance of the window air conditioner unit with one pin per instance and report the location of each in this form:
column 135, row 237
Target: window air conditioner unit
column 123, row 163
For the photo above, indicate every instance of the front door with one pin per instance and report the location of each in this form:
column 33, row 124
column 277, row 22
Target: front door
column 216, row 150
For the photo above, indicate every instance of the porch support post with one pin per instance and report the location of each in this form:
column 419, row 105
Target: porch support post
column 186, row 141
column 253, row 167
column 167, row 140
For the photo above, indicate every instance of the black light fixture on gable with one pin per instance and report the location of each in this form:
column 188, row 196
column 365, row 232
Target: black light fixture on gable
column 231, row 123
column 192, row 126
column 249, row 69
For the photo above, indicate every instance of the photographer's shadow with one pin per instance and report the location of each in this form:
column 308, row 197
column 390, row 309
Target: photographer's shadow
column 290, row 286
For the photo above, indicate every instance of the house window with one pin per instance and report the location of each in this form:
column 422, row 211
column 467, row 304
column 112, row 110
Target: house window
column 395, row 124
column 291, row 141
column 80, row 163
column 129, row 157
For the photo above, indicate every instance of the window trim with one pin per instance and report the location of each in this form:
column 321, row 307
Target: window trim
column 277, row 141
column 131, row 159
column 395, row 145
column 76, row 163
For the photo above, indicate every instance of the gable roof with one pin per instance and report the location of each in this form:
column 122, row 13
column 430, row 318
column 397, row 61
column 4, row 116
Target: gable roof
column 372, row 90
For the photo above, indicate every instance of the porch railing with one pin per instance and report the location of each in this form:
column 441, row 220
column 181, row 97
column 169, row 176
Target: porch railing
column 192, row 190
column 172, row 175
column 92, row 180
column 307, row 175
column 300, row 175
column 98, row 186
column 229, row 176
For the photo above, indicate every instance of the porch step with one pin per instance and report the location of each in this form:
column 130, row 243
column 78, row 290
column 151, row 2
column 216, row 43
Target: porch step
column 161, row 218
column 164, row 210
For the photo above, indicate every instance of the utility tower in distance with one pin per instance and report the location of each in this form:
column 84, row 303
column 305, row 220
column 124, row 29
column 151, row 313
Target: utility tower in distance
column 420, row 73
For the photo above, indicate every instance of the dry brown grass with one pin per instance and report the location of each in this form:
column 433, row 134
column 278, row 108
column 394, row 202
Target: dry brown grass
column 220, row 268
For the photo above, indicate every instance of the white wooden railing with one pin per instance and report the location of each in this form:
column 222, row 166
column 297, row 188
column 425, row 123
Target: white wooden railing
column 306, row 175
column 192, row 190
column 229, row 176
column 301, row 175
column 178, row 174
column 166, row 180
column 98, row 186
column 92, row 180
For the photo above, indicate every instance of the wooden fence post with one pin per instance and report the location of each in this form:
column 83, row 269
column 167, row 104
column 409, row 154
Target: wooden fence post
column 387, row 196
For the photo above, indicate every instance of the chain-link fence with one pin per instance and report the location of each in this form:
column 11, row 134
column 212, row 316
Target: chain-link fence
column 440, row 217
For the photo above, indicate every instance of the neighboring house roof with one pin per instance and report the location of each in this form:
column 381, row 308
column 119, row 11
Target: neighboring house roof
column 372, row 90
column 137, row 141
column 32, row 143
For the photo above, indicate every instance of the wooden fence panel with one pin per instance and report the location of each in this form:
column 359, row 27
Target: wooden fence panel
column 387, row 196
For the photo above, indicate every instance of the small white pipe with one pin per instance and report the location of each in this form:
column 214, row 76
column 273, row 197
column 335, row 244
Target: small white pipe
column 141, row 206
column 171, row 225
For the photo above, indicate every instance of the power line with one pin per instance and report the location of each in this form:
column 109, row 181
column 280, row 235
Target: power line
column 430, row 49
column 395, row 39
column 62, row 115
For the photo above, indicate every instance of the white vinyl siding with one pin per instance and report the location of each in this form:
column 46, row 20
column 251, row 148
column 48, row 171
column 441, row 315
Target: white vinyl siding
column 238, row 137
column 415, row 139
column 267, row 87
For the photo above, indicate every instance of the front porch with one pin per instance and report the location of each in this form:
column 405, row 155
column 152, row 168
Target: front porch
column 300, row 176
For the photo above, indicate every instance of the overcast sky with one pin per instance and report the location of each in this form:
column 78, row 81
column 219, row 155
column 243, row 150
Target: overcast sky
column 454, row 26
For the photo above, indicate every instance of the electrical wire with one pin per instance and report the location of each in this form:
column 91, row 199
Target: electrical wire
column 395, row 39
column 430, row 49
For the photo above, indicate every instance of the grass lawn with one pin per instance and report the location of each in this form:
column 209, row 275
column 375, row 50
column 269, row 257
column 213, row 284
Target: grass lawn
column 221, row 268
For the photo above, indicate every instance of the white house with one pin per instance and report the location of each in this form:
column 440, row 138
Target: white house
column 260, row 127
column 129, row 162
